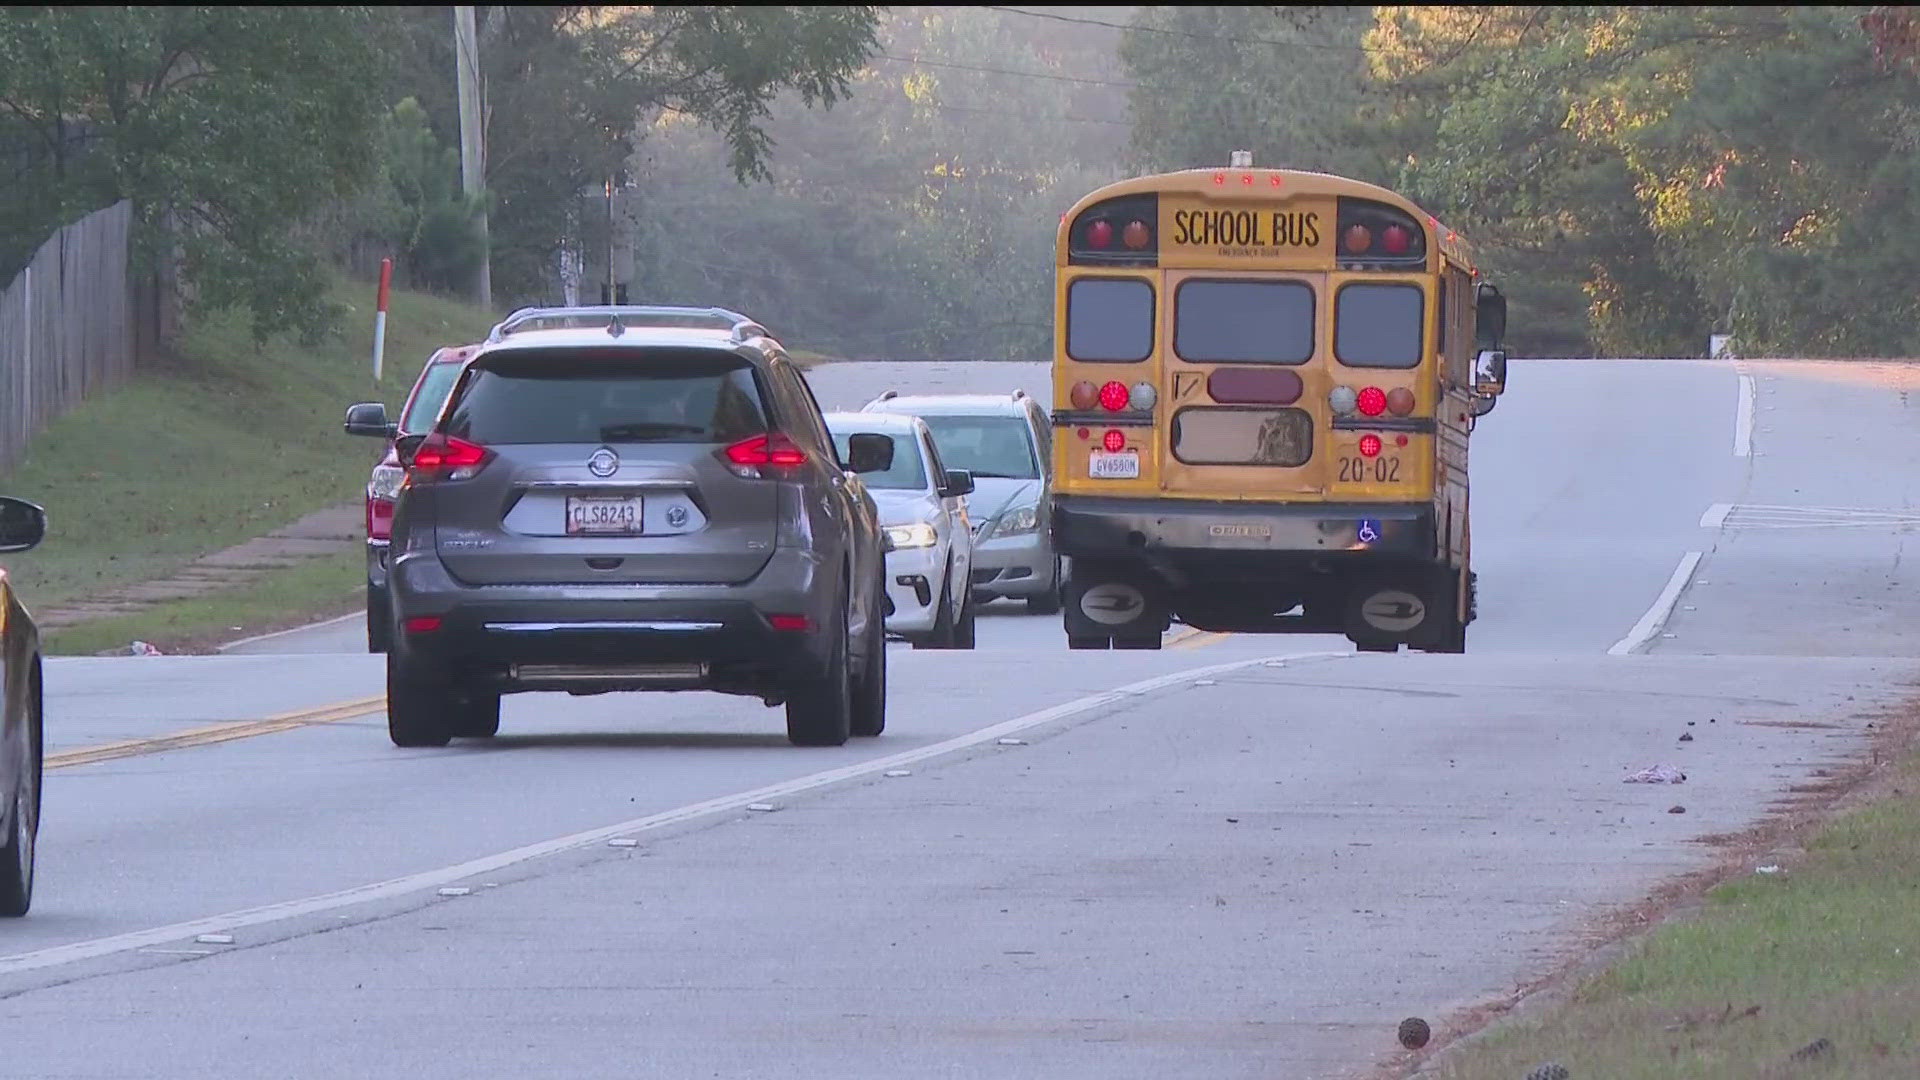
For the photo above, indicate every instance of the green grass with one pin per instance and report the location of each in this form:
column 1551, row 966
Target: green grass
column 315, row 589
column 226, row 442
column 1829, row 949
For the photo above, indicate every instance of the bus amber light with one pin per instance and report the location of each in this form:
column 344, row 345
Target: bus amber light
column 1400, row 401
column 1358, row 240
column 1114, row 441
column 1135, row 235
column 1369, row 446
column 1084, row 395
column 1100, row 234
column 1113, row 396
column 1372, row 401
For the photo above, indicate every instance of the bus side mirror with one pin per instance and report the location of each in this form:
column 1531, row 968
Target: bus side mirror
column 1490, row 314
column 1490, row 373
column 1481, row 406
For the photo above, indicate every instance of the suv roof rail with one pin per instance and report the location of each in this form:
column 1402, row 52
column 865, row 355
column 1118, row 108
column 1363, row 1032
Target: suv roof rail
column 887, row 395
column 618, row 317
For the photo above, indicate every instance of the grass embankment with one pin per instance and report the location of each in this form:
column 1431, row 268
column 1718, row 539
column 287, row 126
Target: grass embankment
column 1812, row 970
column 225, row 442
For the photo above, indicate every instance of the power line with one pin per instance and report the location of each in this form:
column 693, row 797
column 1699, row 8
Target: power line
column 1033, row 116
column 1178, row 33
column 1009, row 71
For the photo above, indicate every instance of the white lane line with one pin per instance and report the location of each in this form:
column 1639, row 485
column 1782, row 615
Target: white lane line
column 1716, row 515
column 1656, row 616
column 434, row 879
column 1743, row 420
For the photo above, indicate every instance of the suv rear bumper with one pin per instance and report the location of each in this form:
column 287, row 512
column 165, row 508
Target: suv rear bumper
column 483, row 631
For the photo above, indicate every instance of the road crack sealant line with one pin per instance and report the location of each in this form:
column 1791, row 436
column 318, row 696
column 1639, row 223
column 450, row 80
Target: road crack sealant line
column 97, row 948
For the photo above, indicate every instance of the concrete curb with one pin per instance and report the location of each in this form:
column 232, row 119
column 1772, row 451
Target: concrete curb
column 295, row 630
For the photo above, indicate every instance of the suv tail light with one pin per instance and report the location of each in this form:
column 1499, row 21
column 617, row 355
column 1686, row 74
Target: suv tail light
column 383, row 490
column 443, row 457
column 756, row 456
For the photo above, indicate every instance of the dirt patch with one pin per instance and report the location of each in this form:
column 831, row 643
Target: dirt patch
column 1776, row 838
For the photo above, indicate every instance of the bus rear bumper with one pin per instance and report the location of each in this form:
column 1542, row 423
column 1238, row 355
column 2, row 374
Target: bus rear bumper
column 1176, row 530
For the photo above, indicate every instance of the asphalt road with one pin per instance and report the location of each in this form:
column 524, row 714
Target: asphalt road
column 1204, row 861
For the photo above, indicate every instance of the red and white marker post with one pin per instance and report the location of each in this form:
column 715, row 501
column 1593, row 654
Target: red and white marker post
column 380, row 318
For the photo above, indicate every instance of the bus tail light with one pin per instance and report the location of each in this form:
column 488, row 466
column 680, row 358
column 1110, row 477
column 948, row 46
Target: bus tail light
column 1084, row 395
column 1143, row 396
column 1100, row 235
column 1113, row 396
column 1369, row 446
column 1342, row 401
column 1114, row 441
column 1372, row 401
column 1400, row 401
column 1396, row 240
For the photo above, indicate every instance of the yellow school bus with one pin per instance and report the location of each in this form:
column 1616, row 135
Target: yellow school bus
column 1264, row 381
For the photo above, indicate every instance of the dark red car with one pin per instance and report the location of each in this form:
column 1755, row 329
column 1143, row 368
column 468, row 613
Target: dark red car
column 422, row 407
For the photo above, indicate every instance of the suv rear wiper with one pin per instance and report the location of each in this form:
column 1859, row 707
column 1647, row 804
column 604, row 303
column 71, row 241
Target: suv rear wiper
column 641, row 429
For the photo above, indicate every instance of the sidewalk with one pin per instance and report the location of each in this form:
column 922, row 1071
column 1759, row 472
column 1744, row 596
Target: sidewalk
column 323, row 532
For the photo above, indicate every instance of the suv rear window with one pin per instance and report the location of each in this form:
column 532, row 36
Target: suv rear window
column 610, row 396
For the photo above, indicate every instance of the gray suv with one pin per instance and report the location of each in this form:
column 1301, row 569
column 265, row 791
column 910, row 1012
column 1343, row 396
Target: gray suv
column 633, row 498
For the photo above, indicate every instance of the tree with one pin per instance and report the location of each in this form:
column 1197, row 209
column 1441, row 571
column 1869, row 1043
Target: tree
column 226, row 126
column 569, row 89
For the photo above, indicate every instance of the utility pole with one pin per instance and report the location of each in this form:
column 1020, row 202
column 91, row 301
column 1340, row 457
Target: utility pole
column 473, row 151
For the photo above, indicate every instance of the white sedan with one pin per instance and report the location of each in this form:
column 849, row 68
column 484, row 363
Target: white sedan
column 923, row 510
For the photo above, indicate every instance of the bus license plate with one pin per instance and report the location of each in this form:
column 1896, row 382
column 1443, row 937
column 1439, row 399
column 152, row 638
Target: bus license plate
column 589, row 515
column 1124, row 465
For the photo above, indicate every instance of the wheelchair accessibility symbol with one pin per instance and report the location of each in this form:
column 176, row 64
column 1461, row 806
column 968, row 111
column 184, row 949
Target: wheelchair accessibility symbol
column 1369, row 530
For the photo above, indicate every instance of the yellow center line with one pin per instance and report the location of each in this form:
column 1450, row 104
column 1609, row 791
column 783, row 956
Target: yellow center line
column 1199, row 639
column 218, row 733
column 1182, row 634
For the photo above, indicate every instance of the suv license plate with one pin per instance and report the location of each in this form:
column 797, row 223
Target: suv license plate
column 1124, row 465
column 592, row 516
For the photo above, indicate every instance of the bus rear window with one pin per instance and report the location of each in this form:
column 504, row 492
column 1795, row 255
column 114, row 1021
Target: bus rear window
column 1247, row 322
column 1109, row 320
column 1379, row 326
column 1212, row 435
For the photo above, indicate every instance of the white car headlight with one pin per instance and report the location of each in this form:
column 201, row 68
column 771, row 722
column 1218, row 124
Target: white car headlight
column 387, row 480
column 1021, row 519
column 917, row 535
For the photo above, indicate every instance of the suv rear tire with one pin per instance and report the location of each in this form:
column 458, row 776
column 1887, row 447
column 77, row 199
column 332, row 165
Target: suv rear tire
column 820, row 710
column 418, row 705
column 477, row 716
column 870, row 689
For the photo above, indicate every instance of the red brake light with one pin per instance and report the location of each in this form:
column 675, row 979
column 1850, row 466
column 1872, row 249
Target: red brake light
column 379, row 519
column 1396, row 240
column 1372, row 401
column 1100, row 234
column 1114, row 441
column 1369, row 446
column 444, row 457
column 771, row 449
column 1113, row 396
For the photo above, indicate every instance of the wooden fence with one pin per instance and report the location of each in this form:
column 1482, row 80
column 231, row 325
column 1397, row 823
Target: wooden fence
column 70, row 325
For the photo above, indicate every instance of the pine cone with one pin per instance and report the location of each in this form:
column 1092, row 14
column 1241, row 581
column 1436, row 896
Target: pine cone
column 1414, row 1033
